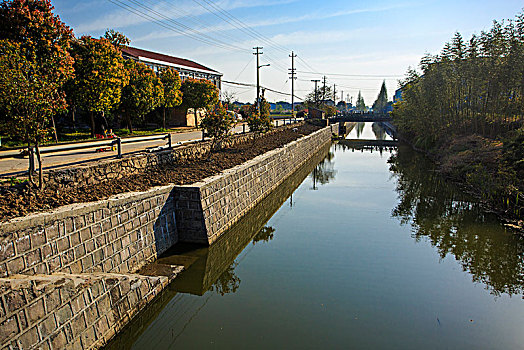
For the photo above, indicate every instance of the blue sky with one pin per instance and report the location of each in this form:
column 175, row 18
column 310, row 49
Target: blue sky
column 370, row 40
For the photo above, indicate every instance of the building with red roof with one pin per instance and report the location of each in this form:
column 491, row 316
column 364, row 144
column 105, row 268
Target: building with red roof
column 186, row 68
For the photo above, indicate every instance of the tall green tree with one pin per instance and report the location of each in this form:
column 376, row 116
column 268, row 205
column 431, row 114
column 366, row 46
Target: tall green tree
column 100, row 76
column 172, row 94
column 34, row 65
column 381, row 102
column 142, row 94
column 259, row 123
column 360, row 105
column 199, row 94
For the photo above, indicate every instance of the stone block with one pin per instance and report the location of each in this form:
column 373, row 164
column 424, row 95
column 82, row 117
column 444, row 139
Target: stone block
column 23, row 244
column 63, row 315
column 36, row 311
column 58, row 340
column 48, row 326
column 7, row 250
column 29, row 338
column 38, row 238
column 9, row 328
column 14, row 300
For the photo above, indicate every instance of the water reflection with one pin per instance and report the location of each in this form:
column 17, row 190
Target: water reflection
column 378, row 130
column 266, row 234
column 456, row 225
column 325, row 171
column 359, row 128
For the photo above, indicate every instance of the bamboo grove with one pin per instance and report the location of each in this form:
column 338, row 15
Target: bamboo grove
column 470, row 98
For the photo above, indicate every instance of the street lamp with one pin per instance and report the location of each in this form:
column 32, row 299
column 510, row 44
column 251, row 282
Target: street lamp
column 258, row 84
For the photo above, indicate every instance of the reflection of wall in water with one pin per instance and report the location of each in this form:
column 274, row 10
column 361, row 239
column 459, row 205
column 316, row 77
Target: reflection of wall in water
column 222, row 253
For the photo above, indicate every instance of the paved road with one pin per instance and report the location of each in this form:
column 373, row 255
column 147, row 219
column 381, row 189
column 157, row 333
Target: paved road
column 54, row 160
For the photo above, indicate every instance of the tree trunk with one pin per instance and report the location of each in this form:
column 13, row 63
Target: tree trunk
column 40, row 172
column 31, row 169
column 164, row 121
column 92, row 117
column 54, row 128
column 196, row 117
column 129, row 125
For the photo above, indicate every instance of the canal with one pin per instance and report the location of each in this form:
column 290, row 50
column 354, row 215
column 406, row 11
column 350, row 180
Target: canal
column 372, row 250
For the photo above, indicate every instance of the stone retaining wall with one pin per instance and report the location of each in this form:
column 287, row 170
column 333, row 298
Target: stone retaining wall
column 120, row 234
column 66, row 311
column 206, row 209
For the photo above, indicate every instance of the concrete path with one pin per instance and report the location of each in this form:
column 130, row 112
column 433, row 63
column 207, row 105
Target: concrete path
column 15, row 166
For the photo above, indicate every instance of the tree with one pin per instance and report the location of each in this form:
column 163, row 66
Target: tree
column 172, row 94
column 218, row 124
column 259, row 123
column 360, row 105
column 142, row 94
column 381, row 102
column 228, row 99
column 34, row 65
column 199, row 94
column 100, row 76
column 118, row 39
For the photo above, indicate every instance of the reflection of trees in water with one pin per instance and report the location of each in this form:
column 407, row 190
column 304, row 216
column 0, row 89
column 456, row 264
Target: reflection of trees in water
column 380, row 133
column 360, row 128
column 325, row 171
column 380, row 149
column 266, row 234
column 228, row 282
column 455, row 225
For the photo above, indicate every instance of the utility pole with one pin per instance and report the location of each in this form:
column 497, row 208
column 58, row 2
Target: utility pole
column 258, row 53
column 316, row 99
column 324, row 90
column 292, row 73
column 334, row 95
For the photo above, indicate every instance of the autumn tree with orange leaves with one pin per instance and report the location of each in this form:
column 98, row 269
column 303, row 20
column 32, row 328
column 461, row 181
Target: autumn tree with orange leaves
column 34, row 65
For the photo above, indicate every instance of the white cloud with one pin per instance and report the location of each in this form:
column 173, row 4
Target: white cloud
column 122, row 18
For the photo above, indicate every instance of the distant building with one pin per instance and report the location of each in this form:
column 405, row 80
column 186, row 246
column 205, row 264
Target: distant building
column 185, row 68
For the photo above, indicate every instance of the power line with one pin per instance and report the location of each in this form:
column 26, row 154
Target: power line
column 204, row 27
column 262, row 87
column 240, row 24
column 243, row 69
column 151, row 18
column 352, row 75
column 177, row 23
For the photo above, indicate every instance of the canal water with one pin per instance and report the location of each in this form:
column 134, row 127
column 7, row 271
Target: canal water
column 372, row 250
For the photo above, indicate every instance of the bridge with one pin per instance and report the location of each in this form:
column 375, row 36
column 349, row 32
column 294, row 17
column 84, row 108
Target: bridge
column 361, row 117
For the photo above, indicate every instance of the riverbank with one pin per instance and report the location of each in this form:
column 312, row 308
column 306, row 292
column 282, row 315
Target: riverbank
column 491, row 170
column 16, row 201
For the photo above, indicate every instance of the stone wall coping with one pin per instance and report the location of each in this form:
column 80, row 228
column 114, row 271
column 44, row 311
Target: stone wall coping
column 246, row 164
column 25, row 281
column 76, row 209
